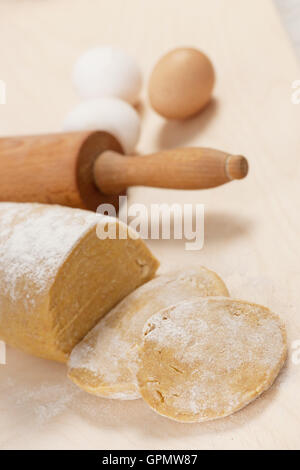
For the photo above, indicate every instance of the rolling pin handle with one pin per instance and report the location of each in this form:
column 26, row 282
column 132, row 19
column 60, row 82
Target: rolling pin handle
column 186, row 168
column 236, row 167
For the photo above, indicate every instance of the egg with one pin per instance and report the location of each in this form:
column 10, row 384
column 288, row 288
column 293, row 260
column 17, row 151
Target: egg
column 181, row 83
column 107, row 71
column 106, row 114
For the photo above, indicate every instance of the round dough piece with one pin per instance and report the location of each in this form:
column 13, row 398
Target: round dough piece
column 58, row 278
column 105, row 362
column 206, row 358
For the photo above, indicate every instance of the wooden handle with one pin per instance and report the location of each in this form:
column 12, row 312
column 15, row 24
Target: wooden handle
column 185, row 168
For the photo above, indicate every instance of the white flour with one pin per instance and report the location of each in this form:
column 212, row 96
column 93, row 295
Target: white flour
column 34, row 242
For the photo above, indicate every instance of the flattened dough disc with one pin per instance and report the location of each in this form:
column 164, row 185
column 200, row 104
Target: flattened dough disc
column 105, row 361
column 206, row 358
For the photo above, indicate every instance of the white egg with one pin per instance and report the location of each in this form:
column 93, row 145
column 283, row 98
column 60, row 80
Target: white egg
column 106, row 114
column 107, row 71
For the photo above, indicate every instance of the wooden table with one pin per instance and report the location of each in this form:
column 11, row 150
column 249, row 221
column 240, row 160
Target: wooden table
column 251, row 227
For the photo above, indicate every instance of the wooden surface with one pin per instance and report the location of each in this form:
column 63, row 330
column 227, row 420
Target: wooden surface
column 251, row 226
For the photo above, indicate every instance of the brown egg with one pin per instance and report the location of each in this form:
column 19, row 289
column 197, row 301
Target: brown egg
column 181, row 83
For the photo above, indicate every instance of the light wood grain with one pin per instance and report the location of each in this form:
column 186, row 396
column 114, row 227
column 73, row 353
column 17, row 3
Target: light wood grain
column 251, row 226
column 54, row 168
column 181, row 168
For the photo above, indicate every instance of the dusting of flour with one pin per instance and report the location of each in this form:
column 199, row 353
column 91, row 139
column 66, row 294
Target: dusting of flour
column 35, row 239
column 206, row 358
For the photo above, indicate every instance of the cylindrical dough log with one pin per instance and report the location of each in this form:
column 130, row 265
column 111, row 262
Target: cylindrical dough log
column 57, row 278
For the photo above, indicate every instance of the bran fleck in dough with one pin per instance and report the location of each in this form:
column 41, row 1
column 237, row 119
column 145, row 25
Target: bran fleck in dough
column 105, row 361
column 206, row 358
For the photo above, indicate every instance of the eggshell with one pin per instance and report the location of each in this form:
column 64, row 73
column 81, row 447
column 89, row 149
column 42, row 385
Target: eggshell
column 107, row 71
column 107, row 114
column 181, row 83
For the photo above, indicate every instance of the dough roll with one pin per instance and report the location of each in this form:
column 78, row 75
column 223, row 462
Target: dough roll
column 58, row 278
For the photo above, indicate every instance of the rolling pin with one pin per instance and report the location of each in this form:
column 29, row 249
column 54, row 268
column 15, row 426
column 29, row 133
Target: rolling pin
column 86, row 169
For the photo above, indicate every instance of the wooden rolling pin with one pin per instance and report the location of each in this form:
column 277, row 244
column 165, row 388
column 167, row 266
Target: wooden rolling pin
column 85, row 169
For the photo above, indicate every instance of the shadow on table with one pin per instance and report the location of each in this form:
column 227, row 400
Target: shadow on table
column 219, row 227
column 180, row 133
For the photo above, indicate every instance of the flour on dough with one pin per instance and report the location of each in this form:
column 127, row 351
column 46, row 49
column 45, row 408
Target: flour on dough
column 206, row 358
column 58, row 278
